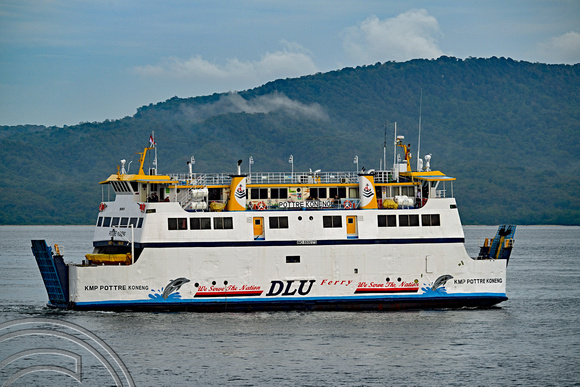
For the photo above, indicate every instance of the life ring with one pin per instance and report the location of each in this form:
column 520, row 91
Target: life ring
column 261, row 206
column 102, row 206
column 347, row 205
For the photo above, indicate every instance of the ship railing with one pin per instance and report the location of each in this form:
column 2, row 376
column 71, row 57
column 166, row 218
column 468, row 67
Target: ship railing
column 302, row 178
column 183, row 197
column 444, row 190
column 270, row 178
column 384, row 176
column 202, row 179
column 282, row 178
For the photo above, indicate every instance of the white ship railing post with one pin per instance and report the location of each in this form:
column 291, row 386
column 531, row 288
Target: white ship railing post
column 250, row 162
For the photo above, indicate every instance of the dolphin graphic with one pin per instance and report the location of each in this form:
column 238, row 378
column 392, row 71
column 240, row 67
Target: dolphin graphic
column 441, row 281
column 174, row 286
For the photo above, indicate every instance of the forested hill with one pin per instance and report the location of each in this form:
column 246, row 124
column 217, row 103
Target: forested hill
column 507, row 130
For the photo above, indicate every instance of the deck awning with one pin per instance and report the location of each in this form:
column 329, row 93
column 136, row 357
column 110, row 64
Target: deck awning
column 153, row 179
column 431, row 176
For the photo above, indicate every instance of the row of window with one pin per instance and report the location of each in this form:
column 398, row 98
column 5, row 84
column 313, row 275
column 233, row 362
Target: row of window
column 108, row 221
column 315, row 192
column 219, row 223
column 325, row 192
column 123, row 186
column 275, row 193
column 409, row 220
column 276, row 222
column 331, row 193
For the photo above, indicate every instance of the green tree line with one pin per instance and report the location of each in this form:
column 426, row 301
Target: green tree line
column 507, row 130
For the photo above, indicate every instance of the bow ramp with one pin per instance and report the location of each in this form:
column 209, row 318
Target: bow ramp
column 54, row 273
column 500, row 247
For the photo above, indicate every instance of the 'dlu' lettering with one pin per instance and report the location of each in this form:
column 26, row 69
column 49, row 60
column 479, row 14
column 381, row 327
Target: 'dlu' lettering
column 279, row 288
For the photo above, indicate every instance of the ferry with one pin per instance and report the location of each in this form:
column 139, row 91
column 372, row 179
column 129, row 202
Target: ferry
column 383, row 239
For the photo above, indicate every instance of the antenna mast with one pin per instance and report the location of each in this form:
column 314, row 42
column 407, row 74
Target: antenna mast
column 419, row 143
column 395, row 151
column 385, row 148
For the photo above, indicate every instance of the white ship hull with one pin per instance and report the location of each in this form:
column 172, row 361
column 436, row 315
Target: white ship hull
column 290, row 269
column 246, row 279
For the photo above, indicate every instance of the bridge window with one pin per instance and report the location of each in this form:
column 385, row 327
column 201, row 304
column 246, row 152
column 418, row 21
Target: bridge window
column 120, row 186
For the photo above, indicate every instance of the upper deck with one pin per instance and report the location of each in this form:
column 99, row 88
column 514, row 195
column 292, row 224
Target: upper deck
column 398, row 187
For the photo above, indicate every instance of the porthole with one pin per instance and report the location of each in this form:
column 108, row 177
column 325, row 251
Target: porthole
column 213, row 283
column 388, row 279
column 196, row 285
column 299, row 218
column 399, row 279
column 311, row 218
column 225, row 282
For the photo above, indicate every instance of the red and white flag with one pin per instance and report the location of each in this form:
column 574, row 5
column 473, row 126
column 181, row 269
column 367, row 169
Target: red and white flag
column 152, row 141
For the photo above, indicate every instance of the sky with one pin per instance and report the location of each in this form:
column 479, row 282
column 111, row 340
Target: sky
column 63, row 62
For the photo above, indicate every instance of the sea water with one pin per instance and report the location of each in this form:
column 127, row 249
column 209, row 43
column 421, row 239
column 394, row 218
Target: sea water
column 531, row 339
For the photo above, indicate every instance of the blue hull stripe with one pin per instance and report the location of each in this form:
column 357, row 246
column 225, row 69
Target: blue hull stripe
column 256, row 243
column 330, row 303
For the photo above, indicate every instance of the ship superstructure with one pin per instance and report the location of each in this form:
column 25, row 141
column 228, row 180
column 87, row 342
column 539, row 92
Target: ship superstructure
column 365, row 240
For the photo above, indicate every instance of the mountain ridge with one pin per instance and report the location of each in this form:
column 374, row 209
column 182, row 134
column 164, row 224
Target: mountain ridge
column 508, row 130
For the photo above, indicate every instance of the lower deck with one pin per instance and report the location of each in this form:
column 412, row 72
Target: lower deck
column 345, row 275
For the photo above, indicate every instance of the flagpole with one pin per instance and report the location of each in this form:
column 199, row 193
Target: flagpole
column 155, row 147
column 419, row 143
